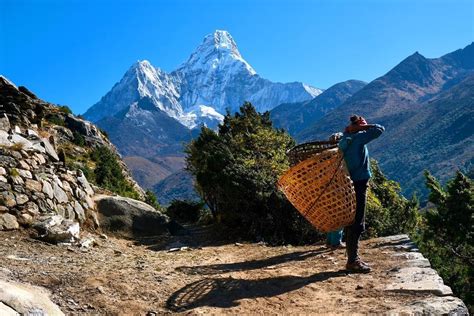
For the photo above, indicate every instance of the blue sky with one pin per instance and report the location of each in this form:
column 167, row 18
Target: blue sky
column 73, row 51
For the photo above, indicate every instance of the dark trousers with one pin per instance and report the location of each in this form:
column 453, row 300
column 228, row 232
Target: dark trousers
column 358, row 227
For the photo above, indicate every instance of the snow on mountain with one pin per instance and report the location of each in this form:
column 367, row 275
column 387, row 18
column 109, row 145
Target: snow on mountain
column 214, row 79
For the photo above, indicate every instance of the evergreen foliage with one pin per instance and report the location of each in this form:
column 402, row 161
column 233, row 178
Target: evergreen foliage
column 150, row 199
column 108, row 173
column 388, row 212
column 185, row 211
column 447, row 236
column 236, row 171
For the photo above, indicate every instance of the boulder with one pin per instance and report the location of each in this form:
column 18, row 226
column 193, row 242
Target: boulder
column 4, row 122
column 447, row 305
column 129, row 218
column 25, row 299
column 4, row 138
column 8, row 222
column 49, row 149
column 57, row 229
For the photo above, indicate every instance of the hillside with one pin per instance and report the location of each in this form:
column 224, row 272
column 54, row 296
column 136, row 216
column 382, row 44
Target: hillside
column 295, row 117
column 407, row 91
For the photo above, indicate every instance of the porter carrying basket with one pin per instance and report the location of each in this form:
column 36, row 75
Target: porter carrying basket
column 319, row 186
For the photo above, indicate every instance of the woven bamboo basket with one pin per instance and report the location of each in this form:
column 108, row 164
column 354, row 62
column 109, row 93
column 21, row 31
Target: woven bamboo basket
column 319, row 186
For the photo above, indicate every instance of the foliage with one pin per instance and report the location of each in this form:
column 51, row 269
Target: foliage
column 55, row 119
column 236, row 171
column 150, row 199
column 17, row 146
column 447, row 235
column 78, row 139
column 185, row 211
column 388, row 212
column 108, row 173
column 64, row 109
column 14, row 172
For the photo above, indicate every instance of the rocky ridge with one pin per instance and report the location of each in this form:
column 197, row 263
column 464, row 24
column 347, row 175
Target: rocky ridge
column 42, row 184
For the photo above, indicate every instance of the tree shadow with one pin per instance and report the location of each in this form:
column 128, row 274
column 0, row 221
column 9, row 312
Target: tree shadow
column 225, row 292
column 402, row 244
column 251, row 264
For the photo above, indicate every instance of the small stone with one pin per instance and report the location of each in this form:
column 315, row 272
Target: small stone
column 32, row 134
column 59, row 194
column 67, row 187
column 8, row 199
column 49, row 149
column 33, row 185
column 3, row 209
column 2, row 171
column 47, row 189
column 22, row 164
column 79, row 212
column 31, row 208
column 40, row 158
column 17, row 180
column 8, row 222
column 3, row 179
column 26, row 219
column 85, row 184
column 17, row 129
column 103, row 236
column 21, row 198
column 25, row 173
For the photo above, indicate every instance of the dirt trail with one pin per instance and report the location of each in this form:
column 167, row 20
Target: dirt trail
column 120, row 277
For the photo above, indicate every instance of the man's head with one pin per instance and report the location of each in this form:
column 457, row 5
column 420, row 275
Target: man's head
column 358, row 120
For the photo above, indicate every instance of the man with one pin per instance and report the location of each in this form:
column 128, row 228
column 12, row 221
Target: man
column 353, row 145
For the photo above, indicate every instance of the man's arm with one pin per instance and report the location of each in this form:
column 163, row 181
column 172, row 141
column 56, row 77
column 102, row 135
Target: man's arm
column 372, row 131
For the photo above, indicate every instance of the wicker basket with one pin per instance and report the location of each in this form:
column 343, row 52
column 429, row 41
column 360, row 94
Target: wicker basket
column 319, row 186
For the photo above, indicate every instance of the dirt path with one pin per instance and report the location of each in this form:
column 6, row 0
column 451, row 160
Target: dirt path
column 119, row 277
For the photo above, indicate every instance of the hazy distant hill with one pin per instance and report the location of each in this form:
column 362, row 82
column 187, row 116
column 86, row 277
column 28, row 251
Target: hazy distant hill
column 294, row 117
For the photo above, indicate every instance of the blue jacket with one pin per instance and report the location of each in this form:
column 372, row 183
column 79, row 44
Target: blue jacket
column 356, row 155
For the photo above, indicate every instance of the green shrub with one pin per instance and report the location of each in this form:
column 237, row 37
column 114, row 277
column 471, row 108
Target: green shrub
column 185, row 211
column 78, row 139
column 236, row 171
column 388, row 212
column 150, row 199
column 64, row 109
column 108, row 173
column 447, row 234
column 55, row 119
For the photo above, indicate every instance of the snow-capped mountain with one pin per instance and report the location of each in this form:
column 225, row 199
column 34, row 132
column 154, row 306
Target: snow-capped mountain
column 214, row 78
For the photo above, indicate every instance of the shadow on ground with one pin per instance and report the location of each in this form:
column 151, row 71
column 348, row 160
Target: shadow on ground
column 225, row 292
column 251, row 264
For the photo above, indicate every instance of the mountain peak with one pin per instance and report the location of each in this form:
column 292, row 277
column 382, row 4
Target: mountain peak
column 218, row 51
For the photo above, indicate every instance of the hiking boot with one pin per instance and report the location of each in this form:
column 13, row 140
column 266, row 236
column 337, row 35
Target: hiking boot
column 358, row 266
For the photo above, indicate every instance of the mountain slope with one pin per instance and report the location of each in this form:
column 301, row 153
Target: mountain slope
column 149, row 113
column 406, row 92
column 294, row 117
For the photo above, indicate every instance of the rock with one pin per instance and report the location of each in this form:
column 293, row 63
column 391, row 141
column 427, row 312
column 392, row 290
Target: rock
column 40, row 158
column 67, row 187
column 3, row 179
column 59, row 194
column 3, row 172
column 21, row 198
column 33, row 185
column 47, row 189
column 3, row 209
column 4, row 138
column 27, row 299
column 87, row 242
column 84, row 183
column 26, row 219
column 16, row 179
column 423, row 280
column 25, row 174
column 4, row 122
column 8, row 199
column 447, row 305
column 17, row 129
column 32, row 134
column 22, row 164
column 81, row 216
column 17, row 139
column 56, row 229
column 31, row 208
column 38, row 147
column 49, row 149
column 7, row 310
column 128, row 217
column 8, row 222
